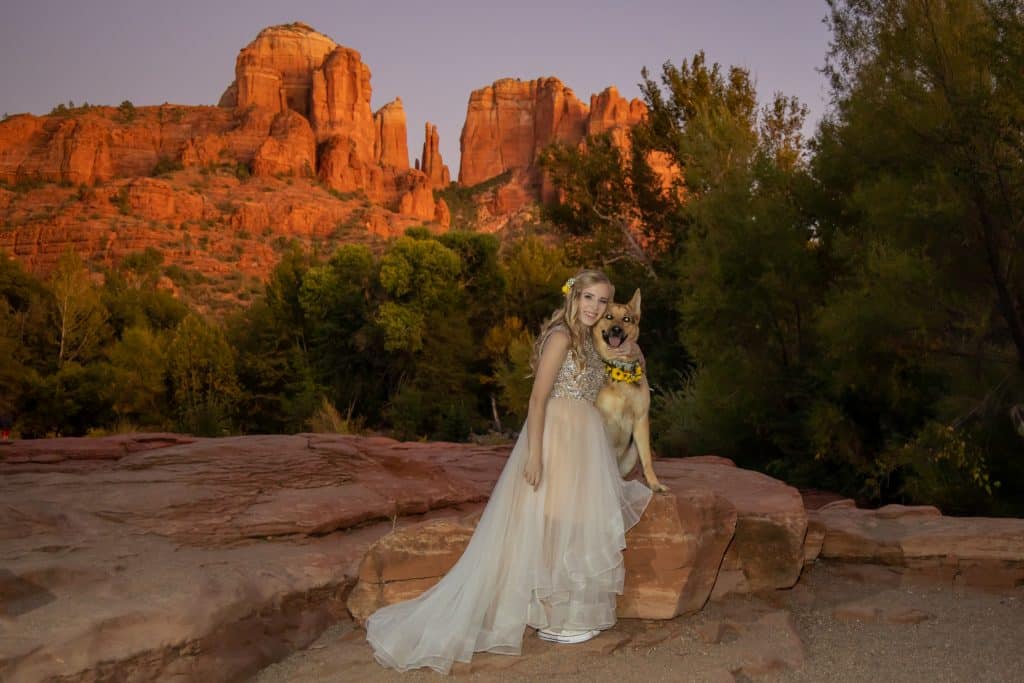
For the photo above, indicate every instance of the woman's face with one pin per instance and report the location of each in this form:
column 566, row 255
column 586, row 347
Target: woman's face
column 593, row 302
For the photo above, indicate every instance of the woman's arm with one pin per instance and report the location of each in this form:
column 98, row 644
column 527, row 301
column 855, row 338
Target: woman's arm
column 552, row 355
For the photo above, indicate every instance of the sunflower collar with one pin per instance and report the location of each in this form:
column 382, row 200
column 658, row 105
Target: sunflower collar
column 629, row 372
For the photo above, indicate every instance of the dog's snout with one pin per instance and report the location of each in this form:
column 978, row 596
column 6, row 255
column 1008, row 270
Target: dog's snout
column 616, row 330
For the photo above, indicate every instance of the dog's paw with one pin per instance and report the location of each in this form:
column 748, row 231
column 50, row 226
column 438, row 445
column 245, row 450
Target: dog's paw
column 659, row 488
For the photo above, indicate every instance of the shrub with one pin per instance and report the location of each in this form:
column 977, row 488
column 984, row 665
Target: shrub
column 327, row 420
column 165, row 166
column 127, row 111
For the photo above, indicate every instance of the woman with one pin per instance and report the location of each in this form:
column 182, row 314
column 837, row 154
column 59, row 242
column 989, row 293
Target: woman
column 547, row 551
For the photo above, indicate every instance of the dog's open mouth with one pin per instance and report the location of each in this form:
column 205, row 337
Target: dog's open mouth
column 614, row 337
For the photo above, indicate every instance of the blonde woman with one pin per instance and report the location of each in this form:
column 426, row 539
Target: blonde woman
column 547, row 552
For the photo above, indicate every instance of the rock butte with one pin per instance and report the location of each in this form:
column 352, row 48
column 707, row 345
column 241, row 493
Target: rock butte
column 157, row 555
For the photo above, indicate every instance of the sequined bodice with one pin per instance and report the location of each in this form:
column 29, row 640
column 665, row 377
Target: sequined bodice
column 585, row 385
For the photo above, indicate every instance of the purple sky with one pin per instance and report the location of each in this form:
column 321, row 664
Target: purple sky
column 431, row 54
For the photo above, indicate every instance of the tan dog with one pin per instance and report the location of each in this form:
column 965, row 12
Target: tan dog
column 625, row 399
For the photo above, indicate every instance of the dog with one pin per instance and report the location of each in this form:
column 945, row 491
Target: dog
column 625, row 400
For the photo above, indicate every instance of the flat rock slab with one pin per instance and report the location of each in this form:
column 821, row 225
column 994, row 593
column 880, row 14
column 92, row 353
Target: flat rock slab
column 976, row 551
column 145, row 557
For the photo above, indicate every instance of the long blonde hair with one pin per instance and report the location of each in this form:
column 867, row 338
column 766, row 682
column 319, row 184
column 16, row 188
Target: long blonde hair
column 567, row 317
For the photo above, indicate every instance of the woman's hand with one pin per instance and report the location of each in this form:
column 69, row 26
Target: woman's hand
column 532, row 472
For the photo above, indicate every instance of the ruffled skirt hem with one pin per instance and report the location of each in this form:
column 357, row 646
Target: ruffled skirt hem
column 545, row 558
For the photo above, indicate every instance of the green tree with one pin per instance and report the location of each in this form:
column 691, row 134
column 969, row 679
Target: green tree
column 81, row 316
column 921, row 176
column 338, row 300
column 137, row 390
column 418, row 276
column 201, row 370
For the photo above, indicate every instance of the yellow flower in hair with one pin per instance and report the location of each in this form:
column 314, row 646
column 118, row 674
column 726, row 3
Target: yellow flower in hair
column 568, row 286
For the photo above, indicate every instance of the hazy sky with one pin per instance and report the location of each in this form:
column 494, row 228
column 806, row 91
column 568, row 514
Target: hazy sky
column 432, row 54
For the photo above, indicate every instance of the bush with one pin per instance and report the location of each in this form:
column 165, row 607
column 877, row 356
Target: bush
column 166, row 166
column 327, row 420
column 127, row 111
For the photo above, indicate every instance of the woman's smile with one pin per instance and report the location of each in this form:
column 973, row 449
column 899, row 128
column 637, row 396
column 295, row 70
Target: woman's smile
column 593, row 302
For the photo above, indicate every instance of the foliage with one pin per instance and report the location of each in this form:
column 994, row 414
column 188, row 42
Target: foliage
column 81, row 317
column 127, row 112
column 135, row 388
column 201, row 372
column 166, row 166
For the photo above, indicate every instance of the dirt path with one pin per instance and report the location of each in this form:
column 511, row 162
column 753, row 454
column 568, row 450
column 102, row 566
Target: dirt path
column 840, row 623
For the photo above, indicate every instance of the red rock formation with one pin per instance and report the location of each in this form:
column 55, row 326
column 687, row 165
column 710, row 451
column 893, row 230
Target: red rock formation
column 961, row 550
column 99, row 144
column 296, row 92
column 391, row 146
column 608, row 109
column 275, row 70
column 442, row 215
column 156, row 200
column 417, row 199
column 341, row 101
column 510, row 121
column 432, row 164
column 341, row 167
column 291, row 149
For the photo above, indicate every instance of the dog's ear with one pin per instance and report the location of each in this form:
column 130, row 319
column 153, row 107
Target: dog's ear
column 634, row 303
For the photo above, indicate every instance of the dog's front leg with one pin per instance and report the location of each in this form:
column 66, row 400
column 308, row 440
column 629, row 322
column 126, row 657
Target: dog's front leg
column 642, row 438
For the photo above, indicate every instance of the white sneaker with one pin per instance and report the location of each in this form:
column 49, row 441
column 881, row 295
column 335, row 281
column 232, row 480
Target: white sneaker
column 565, row 636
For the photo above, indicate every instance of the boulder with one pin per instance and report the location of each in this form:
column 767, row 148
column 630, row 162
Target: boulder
column 767, row 550
column 405, row 563
column 673, row 553
column 964, row 550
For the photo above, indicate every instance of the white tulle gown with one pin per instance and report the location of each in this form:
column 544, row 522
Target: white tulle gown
column 558, row 546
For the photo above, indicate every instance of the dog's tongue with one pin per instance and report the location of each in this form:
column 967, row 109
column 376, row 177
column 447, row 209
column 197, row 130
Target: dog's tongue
column 615, row 342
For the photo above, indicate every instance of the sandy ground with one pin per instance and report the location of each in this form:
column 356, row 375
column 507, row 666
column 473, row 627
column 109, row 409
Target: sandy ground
column 840, row 623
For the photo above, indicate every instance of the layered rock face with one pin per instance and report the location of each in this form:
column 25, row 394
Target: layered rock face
column 296, row 68
column 609, row 110
column 341, row 101
column 390, row 141
column 275, row 71
column 510, row 121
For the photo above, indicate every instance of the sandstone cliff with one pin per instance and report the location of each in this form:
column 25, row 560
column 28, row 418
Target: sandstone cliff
column 510, row 121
